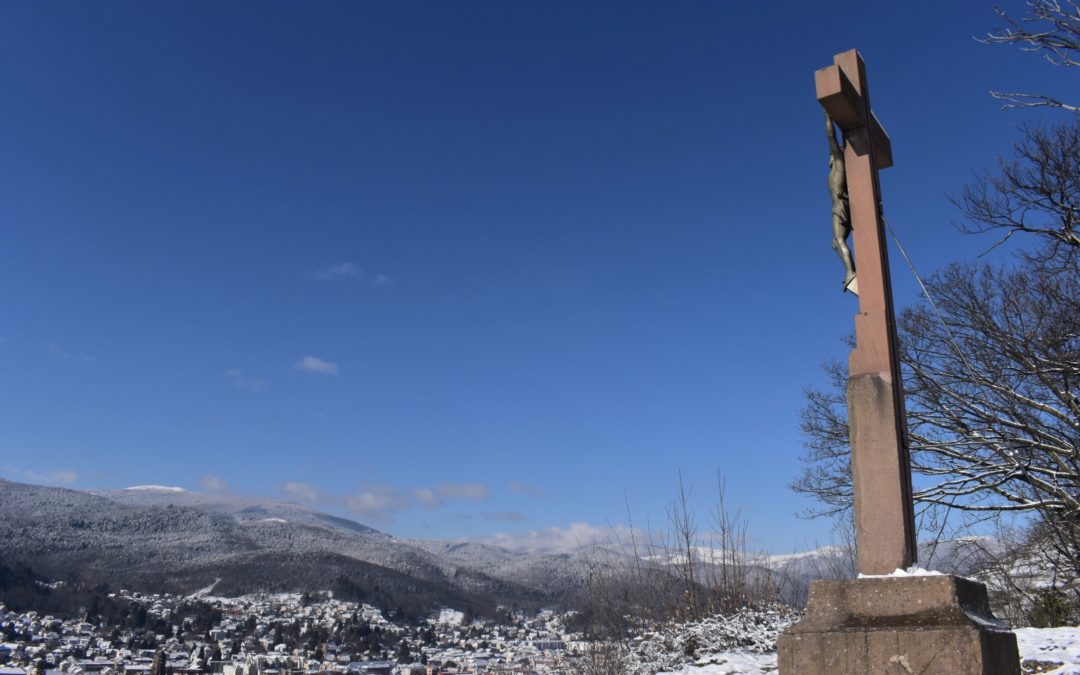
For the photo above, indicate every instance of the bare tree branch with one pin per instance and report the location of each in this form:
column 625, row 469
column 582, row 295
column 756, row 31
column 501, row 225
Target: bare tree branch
column 1050, row 28
column 1014, row 99
column 993, row 400
column 1035, row 193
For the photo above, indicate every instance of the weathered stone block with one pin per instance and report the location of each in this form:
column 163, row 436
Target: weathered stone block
column 934, row 625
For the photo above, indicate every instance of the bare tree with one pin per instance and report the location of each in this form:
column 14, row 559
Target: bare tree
column 1037, row 193
column 679, row 573
column 1050, row 28
column 992, row 383
column 991, row 365
column 826, row 474
column 601, row 658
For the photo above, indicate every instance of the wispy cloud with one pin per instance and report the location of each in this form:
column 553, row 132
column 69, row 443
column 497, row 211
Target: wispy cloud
column 61, row 477
column 305, row 493
column 382, row 502
column 524, row 488
column 58, row 352
column 444, row 492
column 427, row 497
column 378, row 502
column 242, row 380
column 313, row 364
column 348, row 271
column 509, row 517
column 339, row 271
column 48, row 477
column 561, row 539
column 213, row 484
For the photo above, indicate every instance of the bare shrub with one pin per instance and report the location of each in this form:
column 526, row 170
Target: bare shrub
column 682, row 573
column 600, row 658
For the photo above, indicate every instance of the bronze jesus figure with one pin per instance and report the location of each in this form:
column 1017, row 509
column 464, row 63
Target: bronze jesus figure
column 841, row 220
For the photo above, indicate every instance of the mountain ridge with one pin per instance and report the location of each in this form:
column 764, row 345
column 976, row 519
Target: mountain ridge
column 182, row 541
column 158, row 538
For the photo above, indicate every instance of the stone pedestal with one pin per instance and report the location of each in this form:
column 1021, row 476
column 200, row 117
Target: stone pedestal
column 935, row 625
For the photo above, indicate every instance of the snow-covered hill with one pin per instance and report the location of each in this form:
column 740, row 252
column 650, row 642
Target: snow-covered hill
column 166, row 539
column 157, row 537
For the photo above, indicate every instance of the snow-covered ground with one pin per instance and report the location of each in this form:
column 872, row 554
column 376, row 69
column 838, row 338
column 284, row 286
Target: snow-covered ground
column 1057, row 645
column 1048, row 645
column 732, row 663
column 742, row 642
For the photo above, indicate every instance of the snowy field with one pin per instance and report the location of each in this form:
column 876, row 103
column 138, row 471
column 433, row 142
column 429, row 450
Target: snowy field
column 1047, row 645
column 1057, row 645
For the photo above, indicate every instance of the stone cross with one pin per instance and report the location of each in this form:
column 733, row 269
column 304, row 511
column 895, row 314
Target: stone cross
column 880, row 464
column 904, row 624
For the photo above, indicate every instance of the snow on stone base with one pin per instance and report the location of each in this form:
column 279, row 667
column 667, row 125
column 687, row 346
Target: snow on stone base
column 913, row 571
column 1056, row 645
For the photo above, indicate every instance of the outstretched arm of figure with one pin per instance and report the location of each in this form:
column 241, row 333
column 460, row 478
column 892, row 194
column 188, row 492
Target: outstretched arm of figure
column 830, row 131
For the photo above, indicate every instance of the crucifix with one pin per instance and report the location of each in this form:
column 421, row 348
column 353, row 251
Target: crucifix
column 881, row 623
column 880, row 463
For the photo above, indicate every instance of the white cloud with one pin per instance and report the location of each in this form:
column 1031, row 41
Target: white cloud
column 65, row 477
column 561, row 539
column 524, row 488
column 304, row 493
column 245, row 382
column 444, row 492
column 212, row 483
column 509, row 517
column 313, row 364
column 472, row 491
column 382, row 502
column 373, row 502
column 427, row 497
column 379, row 502
column 49, row 477
column 339, row 271
column 58, row 352
column 348, row 270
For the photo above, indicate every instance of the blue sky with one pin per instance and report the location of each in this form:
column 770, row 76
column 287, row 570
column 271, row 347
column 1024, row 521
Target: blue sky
column 455, row 269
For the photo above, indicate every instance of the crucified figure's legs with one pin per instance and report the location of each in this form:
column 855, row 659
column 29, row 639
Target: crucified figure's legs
column 841, row 229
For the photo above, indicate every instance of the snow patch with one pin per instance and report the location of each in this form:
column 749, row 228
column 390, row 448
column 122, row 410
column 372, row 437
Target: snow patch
column 1057, row 645
column 913, row 571
column 731, row 663
column 204, row 592
column 451, row 617
column 273, row 520
column 742, row 642
column 824, row 551
column 156, row 488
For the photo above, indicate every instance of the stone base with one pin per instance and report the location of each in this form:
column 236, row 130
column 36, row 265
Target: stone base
column 935, row 625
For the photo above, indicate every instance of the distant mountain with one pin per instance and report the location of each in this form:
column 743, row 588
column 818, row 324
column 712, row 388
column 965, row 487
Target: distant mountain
column 165, row 539
column 246, row 510
column 157, row 538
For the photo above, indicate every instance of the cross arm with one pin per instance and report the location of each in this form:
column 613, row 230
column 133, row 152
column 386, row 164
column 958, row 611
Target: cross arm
column 837, row 95
column 845, row 106
column 882, row 144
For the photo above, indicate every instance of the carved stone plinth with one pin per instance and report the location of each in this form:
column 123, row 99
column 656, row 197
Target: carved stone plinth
column 936, row 625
